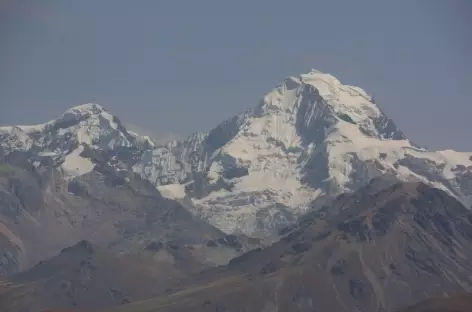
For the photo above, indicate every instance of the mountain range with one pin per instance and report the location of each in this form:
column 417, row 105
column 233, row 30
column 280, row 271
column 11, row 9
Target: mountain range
column 309, row 139
column 314, row 193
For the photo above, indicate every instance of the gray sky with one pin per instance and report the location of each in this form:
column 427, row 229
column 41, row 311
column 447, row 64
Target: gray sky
column 184, row 66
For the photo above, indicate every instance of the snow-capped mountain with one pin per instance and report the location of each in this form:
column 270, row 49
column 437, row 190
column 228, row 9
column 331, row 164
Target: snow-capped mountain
column 88, row 124
column 309, row 139
column 63, row 139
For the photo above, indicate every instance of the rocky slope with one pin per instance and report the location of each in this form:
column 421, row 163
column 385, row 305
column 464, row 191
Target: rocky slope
column 450, row 304
column 84, row 277
column 44, row 209
column 10, row 253
column 375, row 250
column 308, row 140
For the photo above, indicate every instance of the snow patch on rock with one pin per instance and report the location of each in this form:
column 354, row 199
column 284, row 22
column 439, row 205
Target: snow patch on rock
column 75, row 165
column 172, row 191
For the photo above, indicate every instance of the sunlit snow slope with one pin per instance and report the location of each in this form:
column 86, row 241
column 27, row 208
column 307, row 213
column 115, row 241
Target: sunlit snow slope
column 309, row 139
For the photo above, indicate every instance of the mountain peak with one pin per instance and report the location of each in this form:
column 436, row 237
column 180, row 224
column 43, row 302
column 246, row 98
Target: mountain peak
column 85, row 111
column 317, row 74
column 316, row 85
column 90, row 124
column 88, row 108
column 316, row 97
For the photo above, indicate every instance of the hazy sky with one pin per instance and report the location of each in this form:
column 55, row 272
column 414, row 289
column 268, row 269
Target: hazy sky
column 184, row 66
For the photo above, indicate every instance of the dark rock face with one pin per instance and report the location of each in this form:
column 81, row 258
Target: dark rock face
column 20, row 190
column 200, row 187
column 356, row 289
column 339, row 268
column 83, row 246
column 301, row 247
column 10, row 256
column 224, row 132
column 426, row 167
column 312, row 104
column 231, row 241
column 347, row 118
column 155, row 246
column 235, row 172
column 387, row 128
